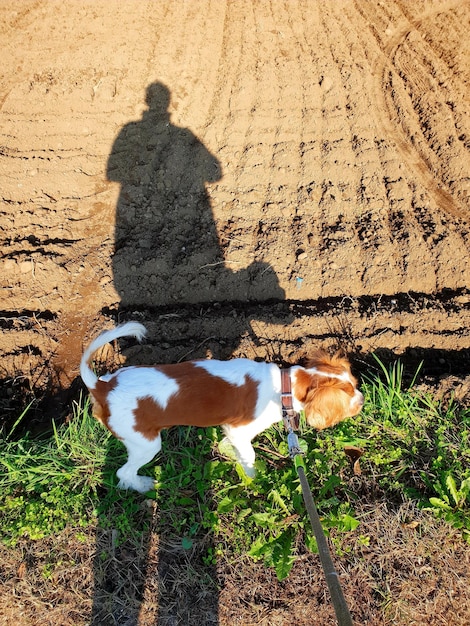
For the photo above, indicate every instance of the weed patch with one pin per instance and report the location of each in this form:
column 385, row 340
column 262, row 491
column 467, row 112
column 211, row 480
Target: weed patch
column 409, row 446
column 61, row 480
column 417, row 448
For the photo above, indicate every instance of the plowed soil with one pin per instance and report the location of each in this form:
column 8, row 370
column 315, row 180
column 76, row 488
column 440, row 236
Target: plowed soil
column 302, row 166
column 245, row 177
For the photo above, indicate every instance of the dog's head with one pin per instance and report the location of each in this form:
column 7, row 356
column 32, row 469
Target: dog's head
column 327, row 390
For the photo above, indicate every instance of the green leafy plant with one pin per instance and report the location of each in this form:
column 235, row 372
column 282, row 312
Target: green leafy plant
column 265, row 517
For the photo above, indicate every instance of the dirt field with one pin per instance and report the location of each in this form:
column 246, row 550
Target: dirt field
column 246, row 178
column 302, row 165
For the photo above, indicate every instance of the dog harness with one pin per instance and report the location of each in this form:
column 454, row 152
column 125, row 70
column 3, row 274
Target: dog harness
column 290, row 417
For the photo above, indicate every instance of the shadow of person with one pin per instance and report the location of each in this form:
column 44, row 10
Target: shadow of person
column 167, row 255
column 167, row 249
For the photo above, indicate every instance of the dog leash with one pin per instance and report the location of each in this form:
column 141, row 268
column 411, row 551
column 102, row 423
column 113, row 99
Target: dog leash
column 291, row 423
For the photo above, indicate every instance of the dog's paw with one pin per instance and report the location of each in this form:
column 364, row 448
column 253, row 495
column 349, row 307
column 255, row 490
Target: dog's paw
column 250, row 471
column 245, row 472
column 227, row 449
column 142, row 484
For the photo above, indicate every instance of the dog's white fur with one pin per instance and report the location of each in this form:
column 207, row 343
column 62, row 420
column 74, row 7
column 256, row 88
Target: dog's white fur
column 242, row 396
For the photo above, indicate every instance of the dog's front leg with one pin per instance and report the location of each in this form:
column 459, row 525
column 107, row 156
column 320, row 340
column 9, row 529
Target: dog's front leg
column 245, row 452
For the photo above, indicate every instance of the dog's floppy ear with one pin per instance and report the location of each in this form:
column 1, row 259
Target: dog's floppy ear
column 326, row 404
column 303, row 384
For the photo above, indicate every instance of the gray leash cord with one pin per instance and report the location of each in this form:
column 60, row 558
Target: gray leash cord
column 343, row 615
column 339, row 603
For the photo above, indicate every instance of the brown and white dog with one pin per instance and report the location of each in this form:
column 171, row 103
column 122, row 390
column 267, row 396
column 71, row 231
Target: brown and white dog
column 243, row 396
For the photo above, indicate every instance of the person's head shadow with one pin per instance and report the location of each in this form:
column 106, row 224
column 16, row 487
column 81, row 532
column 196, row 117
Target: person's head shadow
column 167, row 256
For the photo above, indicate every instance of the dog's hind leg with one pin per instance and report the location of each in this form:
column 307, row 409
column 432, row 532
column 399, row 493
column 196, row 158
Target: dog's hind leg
column 138, row 454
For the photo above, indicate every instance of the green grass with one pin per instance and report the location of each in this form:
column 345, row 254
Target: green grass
column 413, row 447
column 60, row 479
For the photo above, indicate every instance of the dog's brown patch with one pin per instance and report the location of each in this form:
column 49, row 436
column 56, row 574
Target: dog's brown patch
column 99, row 400
column 202, row 400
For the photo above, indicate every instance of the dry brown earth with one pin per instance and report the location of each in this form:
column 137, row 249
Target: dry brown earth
column 162, row 157
column 245, row 177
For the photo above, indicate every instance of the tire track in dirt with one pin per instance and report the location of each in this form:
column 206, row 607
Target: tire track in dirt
column 314, row 200
column 408, row 214
column 402, row 71
column 301, row 190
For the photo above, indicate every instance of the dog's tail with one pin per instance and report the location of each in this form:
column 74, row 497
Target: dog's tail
column 130, row 329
